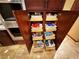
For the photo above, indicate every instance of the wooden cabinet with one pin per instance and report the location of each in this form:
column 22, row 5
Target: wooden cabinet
column 64, row 23
column 44, row 4
column 24, row 26
column 5, row 39
column 34, row 4
column 75, row 6
column 55, row 4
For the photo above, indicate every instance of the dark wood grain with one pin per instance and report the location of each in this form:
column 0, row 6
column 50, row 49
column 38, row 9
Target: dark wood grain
column 34, row 4
column 55, row 4
column 37, row 5
column 5, row 39
column 24, row 26
column 75, row 6
column 64, row 23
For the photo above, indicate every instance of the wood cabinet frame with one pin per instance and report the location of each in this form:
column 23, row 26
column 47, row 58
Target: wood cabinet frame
column 64, row 23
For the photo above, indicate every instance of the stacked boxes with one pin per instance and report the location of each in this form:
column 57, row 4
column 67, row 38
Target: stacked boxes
column 43, row 39
column 36, row 27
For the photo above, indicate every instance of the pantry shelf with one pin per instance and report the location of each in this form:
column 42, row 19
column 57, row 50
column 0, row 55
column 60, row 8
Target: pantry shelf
column 42, row 30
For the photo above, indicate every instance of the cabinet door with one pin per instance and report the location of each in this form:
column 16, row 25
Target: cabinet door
column 34, row 4
column 24, row 26
column 64, row 23
column 75, row 6
column 55, row 4
column 5, row 39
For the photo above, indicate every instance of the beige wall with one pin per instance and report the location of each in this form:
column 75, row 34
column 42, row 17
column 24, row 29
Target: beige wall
column 68, row 4
column 74, row 31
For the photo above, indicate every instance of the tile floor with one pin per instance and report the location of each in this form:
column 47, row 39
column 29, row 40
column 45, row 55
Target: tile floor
column 20, row 52
column 69, row 49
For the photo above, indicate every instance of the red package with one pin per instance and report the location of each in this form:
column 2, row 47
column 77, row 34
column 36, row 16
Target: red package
column 35, row 25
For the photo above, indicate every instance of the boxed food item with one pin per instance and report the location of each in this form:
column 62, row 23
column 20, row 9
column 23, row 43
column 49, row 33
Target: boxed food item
column 38, row 44
column 50, row 45
column 36, row 27
column 50, row 17
column 49, row 35
column 50, row 27
column 36, row 18
column 37, row 36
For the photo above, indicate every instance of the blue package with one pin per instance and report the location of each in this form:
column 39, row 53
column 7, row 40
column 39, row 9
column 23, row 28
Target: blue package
column 48, row 33
column 50, row 24
column 46, row 42
column 40, row 43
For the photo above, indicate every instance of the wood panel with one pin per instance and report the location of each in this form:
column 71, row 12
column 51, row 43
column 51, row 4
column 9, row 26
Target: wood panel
column 24, row 26
column 34, row 4
column 5, row 39
column 75, row 6
column 55, row 4
column 64, row 23
column 37, row 5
